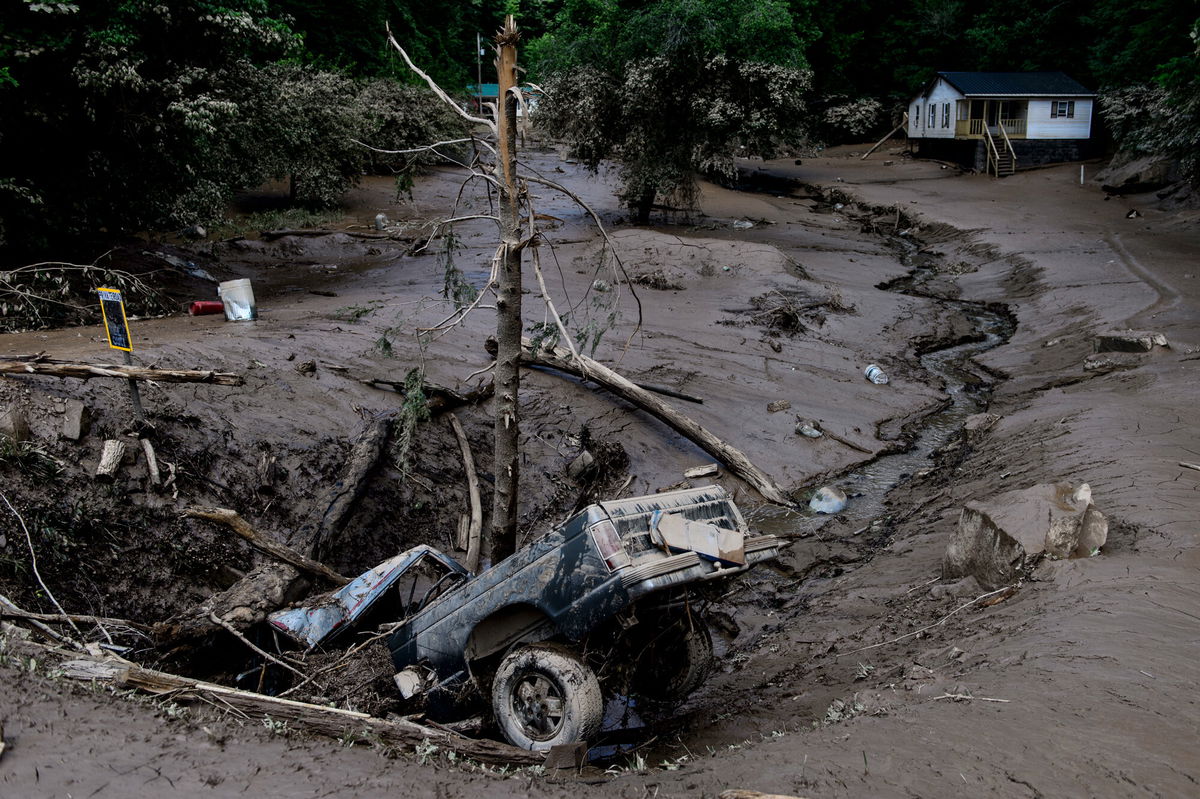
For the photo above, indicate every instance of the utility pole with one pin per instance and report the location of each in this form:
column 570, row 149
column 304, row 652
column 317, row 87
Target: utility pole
column 478, row 73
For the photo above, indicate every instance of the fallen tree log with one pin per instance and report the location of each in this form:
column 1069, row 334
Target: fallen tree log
column 234, row 521
column 38, row 365
column 244, row 604
column 588, row 369
column 251, row 599
column 330, row 721
column 341, row 497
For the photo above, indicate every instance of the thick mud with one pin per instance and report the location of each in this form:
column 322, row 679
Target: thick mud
column 847, row 668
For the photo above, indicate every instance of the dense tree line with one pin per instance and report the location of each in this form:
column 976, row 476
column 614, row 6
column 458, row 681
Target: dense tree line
column 126, row 114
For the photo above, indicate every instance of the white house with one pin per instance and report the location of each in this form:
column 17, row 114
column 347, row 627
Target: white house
column 994, row 120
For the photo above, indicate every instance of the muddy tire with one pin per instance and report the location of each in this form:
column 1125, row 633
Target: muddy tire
column 675, row 663
column 544, row 695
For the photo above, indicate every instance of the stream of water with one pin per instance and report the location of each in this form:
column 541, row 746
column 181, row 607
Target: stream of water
column 968, row 390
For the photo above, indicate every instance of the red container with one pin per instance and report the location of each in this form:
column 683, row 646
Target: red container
column 202, row 307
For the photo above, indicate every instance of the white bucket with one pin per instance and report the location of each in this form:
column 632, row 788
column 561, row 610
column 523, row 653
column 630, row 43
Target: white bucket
column 238, row 298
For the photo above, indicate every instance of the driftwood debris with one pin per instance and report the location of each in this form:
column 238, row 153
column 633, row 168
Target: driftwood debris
column 474, row 531
column 8, row 610
column 244, row 604
column 341, row 497
column 110, row 459
column 902, row 126
column 39, row 365
column 234, row 521
column 562, row 360
column 319, row 719
column 151, row 462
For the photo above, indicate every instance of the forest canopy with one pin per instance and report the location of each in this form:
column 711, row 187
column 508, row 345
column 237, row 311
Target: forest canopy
column 122, row 115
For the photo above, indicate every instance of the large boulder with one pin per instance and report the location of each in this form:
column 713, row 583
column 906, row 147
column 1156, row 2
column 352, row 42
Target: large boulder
column 996, row 539
column 1133, row 175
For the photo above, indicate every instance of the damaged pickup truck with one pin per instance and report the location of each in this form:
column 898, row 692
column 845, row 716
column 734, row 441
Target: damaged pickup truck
column 608, row 603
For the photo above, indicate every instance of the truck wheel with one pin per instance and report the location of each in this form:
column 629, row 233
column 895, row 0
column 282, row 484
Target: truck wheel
column 544, row 695
column 675, row 663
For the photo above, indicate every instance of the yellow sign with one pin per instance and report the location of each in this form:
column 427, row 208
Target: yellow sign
column 112, row 307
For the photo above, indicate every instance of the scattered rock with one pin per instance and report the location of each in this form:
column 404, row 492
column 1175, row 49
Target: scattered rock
column 977, row 425
column 14, row 424
column 828, row 499
column 778, row 405
column 307, row 367
column 1111, row 361
column 75, row 419
column 1129, row 341
column 994, row 540
column 702, row 471
column 775, row 345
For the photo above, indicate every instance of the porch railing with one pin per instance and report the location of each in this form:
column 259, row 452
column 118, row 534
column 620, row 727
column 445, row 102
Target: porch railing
column 976, row 127
column 1013, row 127
column 968, row 127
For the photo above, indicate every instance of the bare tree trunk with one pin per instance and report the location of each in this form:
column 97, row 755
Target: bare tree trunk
column 508, row 305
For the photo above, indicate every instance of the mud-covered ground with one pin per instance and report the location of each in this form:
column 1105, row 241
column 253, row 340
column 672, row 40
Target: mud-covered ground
column 839, row 664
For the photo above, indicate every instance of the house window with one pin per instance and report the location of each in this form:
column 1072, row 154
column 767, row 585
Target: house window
column 945, row 115
column 1062, row 108
column 932, row 115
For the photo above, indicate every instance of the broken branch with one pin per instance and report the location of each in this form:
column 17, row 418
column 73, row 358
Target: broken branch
column 257, row 650
column 734, row 459
column 8, row 610
column 476, row 528
column 330, row 721
column 235, row 522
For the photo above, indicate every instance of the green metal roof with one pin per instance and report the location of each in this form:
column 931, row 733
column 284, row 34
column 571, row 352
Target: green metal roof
column 1023, row 84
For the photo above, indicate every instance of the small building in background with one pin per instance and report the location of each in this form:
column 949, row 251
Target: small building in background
column 998, row 122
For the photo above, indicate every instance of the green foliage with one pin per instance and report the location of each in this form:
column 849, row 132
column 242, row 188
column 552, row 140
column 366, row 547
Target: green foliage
column 672, row 89
column 413, row 411
column 1162, row 117
column 455, row 286
column 123, row 115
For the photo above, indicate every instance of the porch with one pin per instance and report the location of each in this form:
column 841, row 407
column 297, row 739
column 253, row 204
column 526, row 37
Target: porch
column 975, row 116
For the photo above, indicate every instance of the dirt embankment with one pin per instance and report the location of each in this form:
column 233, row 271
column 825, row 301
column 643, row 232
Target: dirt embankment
column 849, row 669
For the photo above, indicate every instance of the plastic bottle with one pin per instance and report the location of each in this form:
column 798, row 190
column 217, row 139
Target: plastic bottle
column 875, row 375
